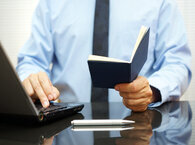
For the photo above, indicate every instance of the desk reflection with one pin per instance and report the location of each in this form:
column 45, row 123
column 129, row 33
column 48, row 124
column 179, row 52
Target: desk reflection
column 33, row 134
column 142, row 132
column 169, row 124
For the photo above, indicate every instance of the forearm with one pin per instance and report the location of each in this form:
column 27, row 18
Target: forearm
column 37, row 53
column 25, row 68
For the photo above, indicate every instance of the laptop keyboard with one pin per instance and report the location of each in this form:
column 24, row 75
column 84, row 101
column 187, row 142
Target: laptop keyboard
column 52, row 107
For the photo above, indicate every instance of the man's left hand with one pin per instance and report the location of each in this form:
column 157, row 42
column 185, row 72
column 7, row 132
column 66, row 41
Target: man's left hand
column 137, row 95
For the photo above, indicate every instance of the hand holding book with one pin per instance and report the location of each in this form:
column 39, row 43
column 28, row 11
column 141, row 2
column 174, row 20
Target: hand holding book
column 137, row 95
column 107, row 72
column 123, row 75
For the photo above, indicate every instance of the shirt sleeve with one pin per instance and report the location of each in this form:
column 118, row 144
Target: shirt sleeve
column 172, row 73
column 37, row 53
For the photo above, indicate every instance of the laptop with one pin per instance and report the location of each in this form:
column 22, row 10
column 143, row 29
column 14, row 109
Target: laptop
column 14, row 101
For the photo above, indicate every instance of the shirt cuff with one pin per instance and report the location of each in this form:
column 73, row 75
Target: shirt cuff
column 162, row 87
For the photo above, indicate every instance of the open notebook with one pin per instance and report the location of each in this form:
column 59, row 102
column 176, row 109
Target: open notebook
column 106, row 72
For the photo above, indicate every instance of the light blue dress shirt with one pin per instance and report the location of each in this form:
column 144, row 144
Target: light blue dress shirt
column 62, row 35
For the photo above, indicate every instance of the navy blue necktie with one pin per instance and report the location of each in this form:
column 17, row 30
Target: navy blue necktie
column 100, row 47
column 100, row 43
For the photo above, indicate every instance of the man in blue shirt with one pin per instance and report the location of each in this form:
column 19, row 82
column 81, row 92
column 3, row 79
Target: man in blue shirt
column 61, row 40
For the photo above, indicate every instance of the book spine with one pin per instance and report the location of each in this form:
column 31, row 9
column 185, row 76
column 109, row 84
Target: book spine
column 130, row 80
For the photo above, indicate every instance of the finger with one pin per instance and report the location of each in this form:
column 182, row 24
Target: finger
column 135, row 86
column 48, row 141
column 28, row 88
column 46, row 85
column 138, row 108
column 38, row 90
column 137, row 102
column 56, row 93
column 144, row 93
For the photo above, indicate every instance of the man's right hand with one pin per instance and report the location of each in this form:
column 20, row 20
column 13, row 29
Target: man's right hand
column 39, row 86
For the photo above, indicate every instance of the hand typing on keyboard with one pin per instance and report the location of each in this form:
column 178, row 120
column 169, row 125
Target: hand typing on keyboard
column 39, row 86
column 53, row 106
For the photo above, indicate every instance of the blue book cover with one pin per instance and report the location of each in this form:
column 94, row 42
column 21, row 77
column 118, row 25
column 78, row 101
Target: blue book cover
column 107, row 72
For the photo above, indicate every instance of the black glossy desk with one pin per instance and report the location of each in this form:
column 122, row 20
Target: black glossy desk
column 170, row 124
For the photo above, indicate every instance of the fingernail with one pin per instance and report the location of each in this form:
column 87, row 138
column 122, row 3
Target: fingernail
column 45, row 104
column 117, row 88
column 50, row 97
column 54, row 95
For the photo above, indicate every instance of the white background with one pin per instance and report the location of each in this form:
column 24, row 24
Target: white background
column 15, row 24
